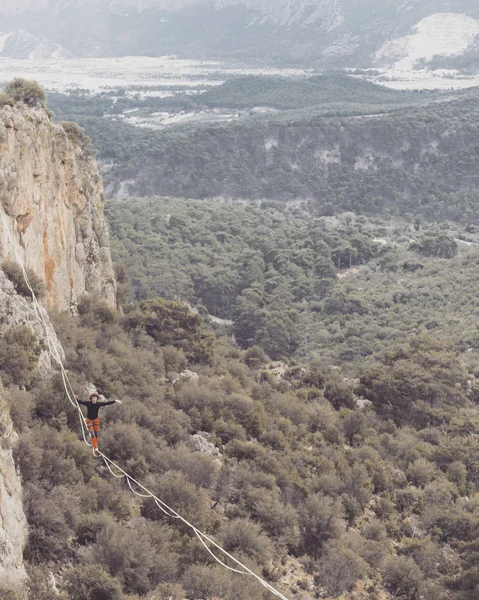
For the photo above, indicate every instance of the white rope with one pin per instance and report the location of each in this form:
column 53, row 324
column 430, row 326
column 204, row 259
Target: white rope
column 163, row 509
column 56, row 352
column 199, row 535
column 137, row 493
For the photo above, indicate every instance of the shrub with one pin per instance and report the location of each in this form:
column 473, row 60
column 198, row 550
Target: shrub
column 169, row 591
column 10, row 593
column 49, row 533
column 21, row 406
column 122, row 441
column 39, row 585
column 29, row 92
column 19, row 354
column 402, row 577
column 339, row 569
column 76, row 134
column 5, row 100
column 173, row 324
column 320, row 520
column 15, row 274
column 338, row 392
column 174, row 358
column 255, row 357
column 205, row 582
column 242, row 536
column 129, row 556
column 183, row 497
column 421, row 472
column 81, row 585
column 90, row 526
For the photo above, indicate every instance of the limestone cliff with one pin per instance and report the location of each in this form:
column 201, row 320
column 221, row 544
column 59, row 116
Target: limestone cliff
column 52, row 194
column 13, row 524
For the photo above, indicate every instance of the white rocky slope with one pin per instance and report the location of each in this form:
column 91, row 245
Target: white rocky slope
column 21, row 44
column 441, row 34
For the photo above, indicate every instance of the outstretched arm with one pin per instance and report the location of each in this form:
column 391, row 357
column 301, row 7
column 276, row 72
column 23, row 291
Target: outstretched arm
column 80, row 401
column 108, row 403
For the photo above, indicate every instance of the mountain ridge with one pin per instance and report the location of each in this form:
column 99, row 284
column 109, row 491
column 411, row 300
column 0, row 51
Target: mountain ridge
column 326, row 32
column 20, row 44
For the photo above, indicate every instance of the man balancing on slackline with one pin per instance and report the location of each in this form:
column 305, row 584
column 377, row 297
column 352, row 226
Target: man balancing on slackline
column 93, row 422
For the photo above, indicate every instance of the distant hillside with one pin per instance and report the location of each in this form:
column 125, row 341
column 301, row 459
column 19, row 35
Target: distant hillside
column 418, row 160
column 326, row 32
column 20, row 44
column 285, row 93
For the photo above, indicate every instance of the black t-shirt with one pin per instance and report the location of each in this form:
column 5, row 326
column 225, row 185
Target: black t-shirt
column 92, row 409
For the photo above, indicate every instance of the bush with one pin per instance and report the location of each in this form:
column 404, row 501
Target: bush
column 76, row 134
column 402, row 577
column 81, row 585
column 174, row 358
column 320, row 520
column 129, row 556
column 10, row 593
column 5, row 100
column 21, row 406
column 39, row 585
column 242, row 536
column 183, row 497
column 169, row 591
column 15, row 274
column 19, row 354
column 173, row 324
column 255, row 357
column 205, row 582
column 29, row 92
column 421, row 472
column 339, row 569
column 49, row 533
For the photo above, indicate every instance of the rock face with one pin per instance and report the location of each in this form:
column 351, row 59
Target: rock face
column 51, row 202
column 17, row 310
column 52, row 194
column 13, row 524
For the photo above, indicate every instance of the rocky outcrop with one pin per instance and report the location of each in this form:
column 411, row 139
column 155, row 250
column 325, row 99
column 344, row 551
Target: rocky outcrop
column 16, row 310
column 52, row 194
column 13, row 524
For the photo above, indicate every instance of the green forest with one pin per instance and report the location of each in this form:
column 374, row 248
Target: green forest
column 346, row 288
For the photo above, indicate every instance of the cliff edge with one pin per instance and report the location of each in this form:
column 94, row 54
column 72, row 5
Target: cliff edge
column 52, row 193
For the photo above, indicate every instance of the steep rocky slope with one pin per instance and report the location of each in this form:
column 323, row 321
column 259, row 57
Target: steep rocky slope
column 13, row 524
column 52, row 194
column 21, row 44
